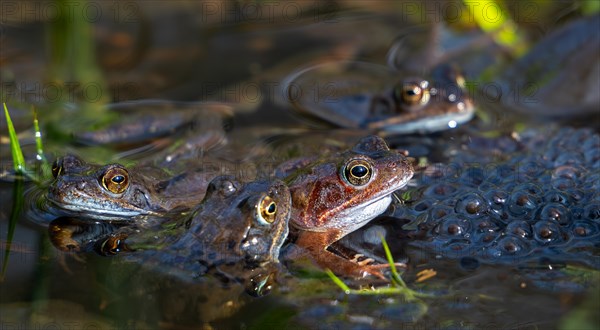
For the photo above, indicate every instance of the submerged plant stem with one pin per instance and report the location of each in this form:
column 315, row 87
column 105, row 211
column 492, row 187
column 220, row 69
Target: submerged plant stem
column 18, row 193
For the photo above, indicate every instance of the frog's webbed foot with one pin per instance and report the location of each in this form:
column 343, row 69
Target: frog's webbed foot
column 371, row 267
column 362, row 260
column 356, row 267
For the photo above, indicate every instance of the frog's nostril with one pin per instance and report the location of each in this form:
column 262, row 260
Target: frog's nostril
column 81, row 185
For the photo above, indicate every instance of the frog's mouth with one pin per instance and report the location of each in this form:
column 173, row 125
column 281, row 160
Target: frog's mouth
column 86, row 206
column 437, row 120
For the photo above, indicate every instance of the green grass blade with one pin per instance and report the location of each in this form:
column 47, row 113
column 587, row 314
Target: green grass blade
column 38, row 138
column 388, row 255
column 18, row 187
column 46, row 169
column 337, row 281
column 15, row 148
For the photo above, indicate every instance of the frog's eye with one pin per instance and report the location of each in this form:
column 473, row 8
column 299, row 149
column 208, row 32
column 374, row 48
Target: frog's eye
column 57, row 167
column 413, row 93
column 115, row 180
column 358, row 172
column 267, row 209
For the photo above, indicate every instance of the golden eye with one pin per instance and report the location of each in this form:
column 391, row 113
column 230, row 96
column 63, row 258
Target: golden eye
column 412, row 94
column 267, row 210
column 57, row 167
column 115, row 180
column 358, row 172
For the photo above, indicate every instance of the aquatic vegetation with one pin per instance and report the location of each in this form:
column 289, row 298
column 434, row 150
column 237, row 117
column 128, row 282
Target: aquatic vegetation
column 15, row 147
column 19, row 166
column 398, row 286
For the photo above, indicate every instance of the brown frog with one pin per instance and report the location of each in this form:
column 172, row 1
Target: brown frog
column 341, row 192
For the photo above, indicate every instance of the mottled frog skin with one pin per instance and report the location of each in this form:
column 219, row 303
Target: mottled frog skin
column 238, row 221
column 341, row 192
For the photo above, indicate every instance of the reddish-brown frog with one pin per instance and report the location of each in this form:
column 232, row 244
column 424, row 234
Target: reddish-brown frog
column 341, row 192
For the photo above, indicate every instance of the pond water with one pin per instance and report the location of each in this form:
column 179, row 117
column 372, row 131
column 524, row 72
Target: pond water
column 530, row 261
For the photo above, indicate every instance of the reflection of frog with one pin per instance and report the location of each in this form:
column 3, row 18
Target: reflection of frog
column 74, row 235
column 340, row 193
column 113, row 192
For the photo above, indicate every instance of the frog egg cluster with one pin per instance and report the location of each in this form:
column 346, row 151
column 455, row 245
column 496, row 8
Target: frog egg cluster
column 543, row 202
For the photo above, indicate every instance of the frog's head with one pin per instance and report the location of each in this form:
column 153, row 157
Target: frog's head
column 345, row 190
column 244, row 220
column 424, row 105
column 108, row 192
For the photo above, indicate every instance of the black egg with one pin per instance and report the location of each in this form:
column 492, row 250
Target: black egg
column 555, row 212
column 547, row 232
column 585, row 229
column 522, row 204
column 519, row 228
column 471, row 205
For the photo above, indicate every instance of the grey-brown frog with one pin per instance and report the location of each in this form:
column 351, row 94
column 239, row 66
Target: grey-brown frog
column 340, row 193
column 238, row 221
column 115, row 193
column 362, row 95
column 236, row 225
